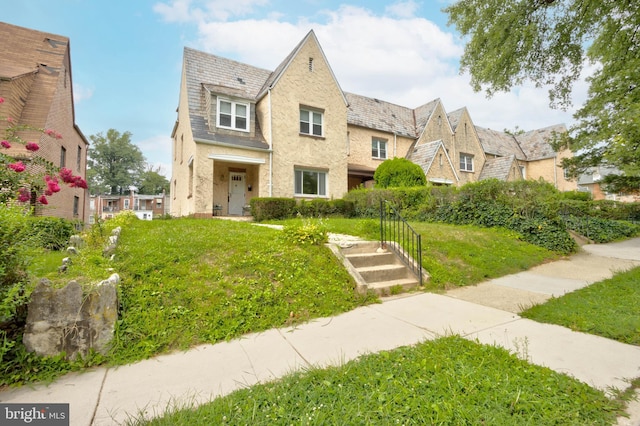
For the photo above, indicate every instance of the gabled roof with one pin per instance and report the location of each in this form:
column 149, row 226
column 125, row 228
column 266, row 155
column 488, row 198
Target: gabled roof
column 423, row 114
column 376, row 114
column 455, row 116
column 424, row 155
column 279, row 71
column 207, row 72
column 25, row 51
column 499, row 143
column 536, row 143
column 497, row 168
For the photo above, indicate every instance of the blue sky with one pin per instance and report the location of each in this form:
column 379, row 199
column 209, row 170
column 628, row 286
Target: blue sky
column 126, row 57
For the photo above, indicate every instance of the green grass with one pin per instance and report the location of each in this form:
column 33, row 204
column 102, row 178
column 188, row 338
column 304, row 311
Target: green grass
column 455, row 255
column 610, row 308
column 189, row 281
column 446, row 381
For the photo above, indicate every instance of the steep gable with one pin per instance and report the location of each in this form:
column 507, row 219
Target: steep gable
column 500, row 168
column 24, row 54
column 434, row 160
column 275, row 76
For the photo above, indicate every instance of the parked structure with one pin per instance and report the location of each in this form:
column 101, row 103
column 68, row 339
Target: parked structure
column 36, row 83
column 146, row 207
column 591, row 180
column 245, row 132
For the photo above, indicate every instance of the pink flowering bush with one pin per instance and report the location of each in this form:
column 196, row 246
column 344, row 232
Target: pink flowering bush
column 30, row 178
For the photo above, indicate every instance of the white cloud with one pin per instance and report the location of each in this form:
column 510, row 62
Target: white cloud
column 402, row 9
column 81, row 93
column 397, row 57
column 201, row 11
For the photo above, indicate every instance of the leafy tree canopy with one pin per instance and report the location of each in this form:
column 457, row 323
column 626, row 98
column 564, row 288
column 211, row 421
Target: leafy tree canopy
column 548, row 42
column 152, row 182
column 114, row 163
column 399, row 172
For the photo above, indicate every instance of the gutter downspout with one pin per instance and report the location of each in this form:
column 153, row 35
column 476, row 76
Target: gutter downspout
column 270, row 146
column 395, row 144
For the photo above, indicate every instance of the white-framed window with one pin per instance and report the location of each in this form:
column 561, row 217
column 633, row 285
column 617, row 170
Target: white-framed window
column 233, row 115
column 310, row 183
column 126, row 204
column 311, row 122
column 466, row 162
column 379, row 148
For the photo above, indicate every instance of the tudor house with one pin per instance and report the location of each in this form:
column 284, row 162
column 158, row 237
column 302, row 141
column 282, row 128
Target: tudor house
column 246, row 132
column 36, row 84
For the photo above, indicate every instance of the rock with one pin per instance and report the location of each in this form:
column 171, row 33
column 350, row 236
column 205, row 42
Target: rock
column 65, row 320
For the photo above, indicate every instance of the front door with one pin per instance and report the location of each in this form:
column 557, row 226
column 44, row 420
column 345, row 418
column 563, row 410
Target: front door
column 236, row 193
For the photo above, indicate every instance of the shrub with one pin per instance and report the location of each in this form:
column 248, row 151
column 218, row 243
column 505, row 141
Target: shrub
column 399, row 172
column 308, row 232
column 51, row 233
column 272, row 208
column 601, row 230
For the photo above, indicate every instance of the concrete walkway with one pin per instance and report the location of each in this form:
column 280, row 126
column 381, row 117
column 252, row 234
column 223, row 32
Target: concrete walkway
column 487, row 312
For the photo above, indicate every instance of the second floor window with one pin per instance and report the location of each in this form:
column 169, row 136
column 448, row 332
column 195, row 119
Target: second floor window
column 466, row 162
column 233, row 115
column 310, row 122
column 379, row 148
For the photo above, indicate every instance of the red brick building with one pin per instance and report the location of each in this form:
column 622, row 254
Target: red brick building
column 36, row 84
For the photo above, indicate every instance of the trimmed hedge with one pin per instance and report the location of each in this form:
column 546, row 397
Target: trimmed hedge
column 272, row 208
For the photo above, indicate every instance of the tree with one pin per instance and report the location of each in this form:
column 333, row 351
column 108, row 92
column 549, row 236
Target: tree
column 399, row 172
column 152, row 182
column 548, row 42
column 114, row 163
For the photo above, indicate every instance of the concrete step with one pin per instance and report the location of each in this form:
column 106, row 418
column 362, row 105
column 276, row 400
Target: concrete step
column 383, row 273
column 388, row 288
column 359, row 247
column 360, row 260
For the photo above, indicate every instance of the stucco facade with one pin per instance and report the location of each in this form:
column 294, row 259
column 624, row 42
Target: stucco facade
column 245, row 132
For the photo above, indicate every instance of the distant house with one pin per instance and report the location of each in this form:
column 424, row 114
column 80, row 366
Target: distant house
column 36, row 83
column 246, row 132
column 145, row 207
column 590, row 181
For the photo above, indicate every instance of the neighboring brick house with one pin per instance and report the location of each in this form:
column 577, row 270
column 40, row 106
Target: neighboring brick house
column 35, row 81
column 246, row 132
column 145, row 207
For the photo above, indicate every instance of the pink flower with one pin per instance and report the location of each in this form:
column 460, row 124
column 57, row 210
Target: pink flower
column 32, row 146
column 48, row 192
column 53, row 186
column 11, row 120
column 5, row 144
column 1, row 100
column 66, row 175
column 17, row 167
column 23, row 195
column 53, row 133
column 78, row 182
column 43, row 200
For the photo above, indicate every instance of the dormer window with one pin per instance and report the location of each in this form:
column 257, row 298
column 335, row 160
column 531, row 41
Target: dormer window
column 233, row 115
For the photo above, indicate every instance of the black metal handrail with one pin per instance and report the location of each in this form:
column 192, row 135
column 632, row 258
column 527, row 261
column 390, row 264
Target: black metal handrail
column 394, row 228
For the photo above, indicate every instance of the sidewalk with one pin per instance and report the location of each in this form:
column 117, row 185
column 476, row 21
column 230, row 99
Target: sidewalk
column 487, row 312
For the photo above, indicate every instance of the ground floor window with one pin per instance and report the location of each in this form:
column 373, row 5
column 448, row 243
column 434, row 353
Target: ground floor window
column 310, row 182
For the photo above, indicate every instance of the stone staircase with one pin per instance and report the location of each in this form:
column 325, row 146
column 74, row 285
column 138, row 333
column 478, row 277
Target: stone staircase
column 377, row 269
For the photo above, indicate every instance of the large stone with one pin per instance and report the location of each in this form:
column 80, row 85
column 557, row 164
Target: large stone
column 66, row 320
